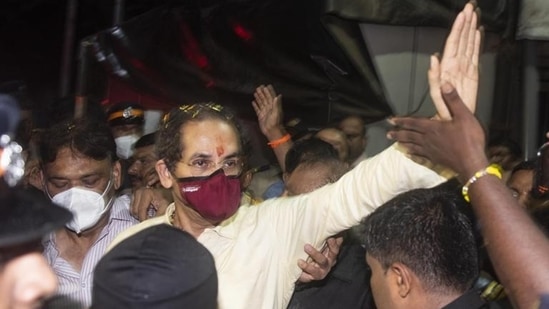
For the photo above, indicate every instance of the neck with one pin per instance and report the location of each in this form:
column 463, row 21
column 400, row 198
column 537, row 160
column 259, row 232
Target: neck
column 188, row 220
column 436, row 301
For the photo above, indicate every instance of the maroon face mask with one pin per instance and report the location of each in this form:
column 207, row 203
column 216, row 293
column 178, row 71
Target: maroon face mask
column 215, row 197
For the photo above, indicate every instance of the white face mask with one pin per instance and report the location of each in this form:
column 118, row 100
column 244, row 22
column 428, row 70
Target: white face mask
column 87, row 206
column 124, row 145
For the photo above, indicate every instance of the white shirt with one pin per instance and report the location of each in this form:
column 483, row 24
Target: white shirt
column 256, row 250
column 75, row 287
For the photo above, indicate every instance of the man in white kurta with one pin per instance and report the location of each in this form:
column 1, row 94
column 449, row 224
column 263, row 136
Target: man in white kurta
column 256, row 250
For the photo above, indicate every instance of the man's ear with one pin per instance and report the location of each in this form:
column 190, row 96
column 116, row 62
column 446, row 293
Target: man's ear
column 117, row 175
column 246, row 179
column 285, row 177
column 42, row 179
column 164, row 174
column 403, row 278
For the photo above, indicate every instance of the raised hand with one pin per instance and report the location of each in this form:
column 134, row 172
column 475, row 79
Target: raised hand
column 459, row 63
column 457, row 143
column 268, row 108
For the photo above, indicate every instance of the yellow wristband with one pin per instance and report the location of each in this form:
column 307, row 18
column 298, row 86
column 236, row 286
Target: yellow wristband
column 492, row 169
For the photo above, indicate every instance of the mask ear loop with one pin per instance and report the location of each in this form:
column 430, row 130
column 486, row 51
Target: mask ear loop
column 109, row 186
column 46, row 187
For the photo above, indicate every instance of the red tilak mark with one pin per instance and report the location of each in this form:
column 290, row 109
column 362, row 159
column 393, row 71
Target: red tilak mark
column 219, row 151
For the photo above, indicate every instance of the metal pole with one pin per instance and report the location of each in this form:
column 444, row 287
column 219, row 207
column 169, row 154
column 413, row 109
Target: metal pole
column 66, row 61
column 118, row 14
column 81, row 80
column 531, row 86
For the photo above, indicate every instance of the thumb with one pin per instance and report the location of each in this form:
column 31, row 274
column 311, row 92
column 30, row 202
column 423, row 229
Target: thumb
column 453, row 101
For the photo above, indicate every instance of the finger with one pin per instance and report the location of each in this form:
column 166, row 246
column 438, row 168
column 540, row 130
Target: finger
column 259, row 99
column 333, row 247
column 470, row 45
column 311, row 271
column 304, row 277
column 479, row 35
column 417, row 152
column 451, row 46
column 278, row 102
column 256, row 93
column 161, row 208
column 415, row 124
column 453, row 101
column 267, row 94
column 406, row 136
column 464, row 34
column 153, row 181
column 316, row 256
column 433, row 76
column 256, row 107
column 143, row 205
column 152, row 177
column 271, row 90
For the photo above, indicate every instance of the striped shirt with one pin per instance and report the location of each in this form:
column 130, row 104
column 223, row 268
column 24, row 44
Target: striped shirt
column 75, row 287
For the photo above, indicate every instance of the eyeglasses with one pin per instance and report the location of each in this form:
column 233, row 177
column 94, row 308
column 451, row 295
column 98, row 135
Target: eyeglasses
column 202, row 167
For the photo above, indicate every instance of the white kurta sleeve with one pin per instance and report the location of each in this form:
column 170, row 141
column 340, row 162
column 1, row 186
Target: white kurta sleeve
column 312, row 217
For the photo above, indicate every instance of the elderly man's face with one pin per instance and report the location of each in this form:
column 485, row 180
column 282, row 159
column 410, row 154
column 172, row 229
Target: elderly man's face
column 26, row 279
column 207, row 145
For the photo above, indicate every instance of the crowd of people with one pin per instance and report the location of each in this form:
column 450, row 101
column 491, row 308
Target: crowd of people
column 110, row 217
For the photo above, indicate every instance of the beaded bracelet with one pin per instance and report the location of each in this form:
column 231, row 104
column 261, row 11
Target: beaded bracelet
column 280, row 141
column 492, row 169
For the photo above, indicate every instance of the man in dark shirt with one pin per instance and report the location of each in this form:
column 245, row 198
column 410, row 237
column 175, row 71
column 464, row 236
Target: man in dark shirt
column 422, row 252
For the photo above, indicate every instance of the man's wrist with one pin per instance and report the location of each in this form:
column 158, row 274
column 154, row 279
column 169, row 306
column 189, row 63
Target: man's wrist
column 276, row 133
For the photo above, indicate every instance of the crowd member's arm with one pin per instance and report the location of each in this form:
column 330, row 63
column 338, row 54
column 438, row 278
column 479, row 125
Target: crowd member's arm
column 518, row 249
column 268, row 108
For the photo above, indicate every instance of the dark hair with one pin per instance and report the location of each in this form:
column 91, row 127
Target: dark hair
column 146, row 140
column 424, row 230
column 168, row 145
column 91, row 138
column 504, row 141
column 309, row 150
column 527, row 165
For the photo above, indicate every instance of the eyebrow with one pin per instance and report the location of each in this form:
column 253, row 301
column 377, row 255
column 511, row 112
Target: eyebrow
column 98, row 174
column 209, row 156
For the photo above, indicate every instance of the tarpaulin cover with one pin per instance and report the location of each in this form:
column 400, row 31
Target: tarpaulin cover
column 312, row 52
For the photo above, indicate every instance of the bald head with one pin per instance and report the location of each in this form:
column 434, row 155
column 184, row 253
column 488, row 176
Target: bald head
column 337, row 139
